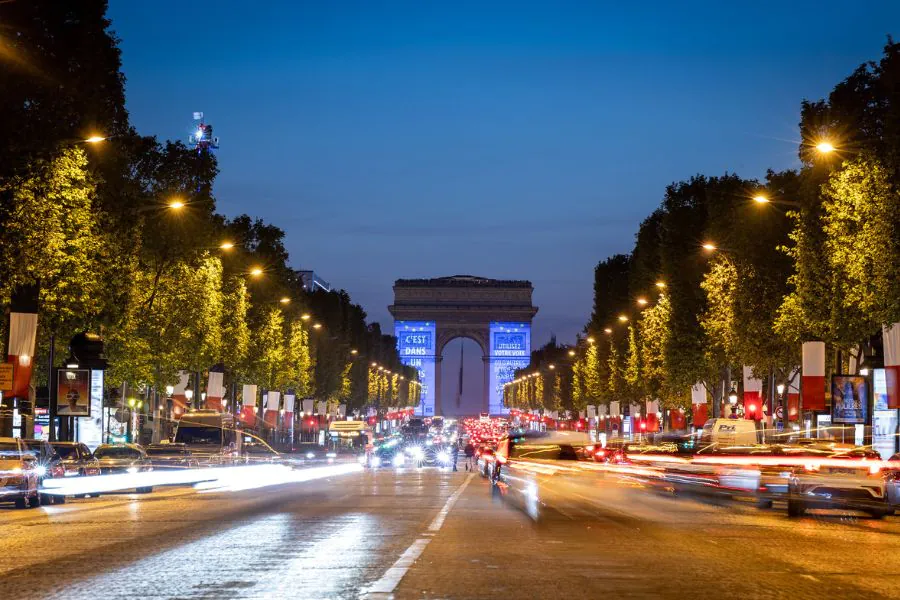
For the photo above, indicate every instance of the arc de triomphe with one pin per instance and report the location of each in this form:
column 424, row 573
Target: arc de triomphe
column 496, row 314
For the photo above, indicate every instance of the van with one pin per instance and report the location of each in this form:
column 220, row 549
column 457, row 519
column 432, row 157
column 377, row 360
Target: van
column 730, row 432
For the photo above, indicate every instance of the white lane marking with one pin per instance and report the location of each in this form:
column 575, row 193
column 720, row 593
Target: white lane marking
column 439, row 519
column 391, row 578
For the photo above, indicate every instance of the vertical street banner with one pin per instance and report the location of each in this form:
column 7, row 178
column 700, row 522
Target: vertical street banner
column 287, row 420
column 652, row 420
column 271, row 414
column 309, row 406
column 891, row 336
column 215, row 391
column 752, row 395
column 677, row 421
column 614, row 410
column 248, row 405
column 812, row 377
column 179, row 397
column 20, row 351
column 700, row 411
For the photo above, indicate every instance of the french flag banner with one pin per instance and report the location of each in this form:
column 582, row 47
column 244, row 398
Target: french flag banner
column 812, row 377
column 272, row 401
column 698, row 405
column 676, row 419
column 752, row 395
column 215, row 391
column 22, row 334
column 248, row 405
column 892, row 363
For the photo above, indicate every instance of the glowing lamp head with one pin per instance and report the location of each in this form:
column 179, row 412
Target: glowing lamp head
column 623, row 319
column 642, row 301
column 176, row 204
column 825, row 147
column 661, row 284
column 256, row 271
column 95, row 139
column 709, row 247
column 760, row 199
column 226, row 245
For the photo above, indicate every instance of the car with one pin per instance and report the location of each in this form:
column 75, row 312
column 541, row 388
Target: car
column 49, row 466
column 124, row 458
column 76, row 460
column 390, row 454
column 171, row 457
column 538, row 472
column 259, row 452
column 849, row 479
column 19, row 474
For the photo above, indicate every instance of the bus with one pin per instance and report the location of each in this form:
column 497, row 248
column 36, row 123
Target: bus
column 210, row 436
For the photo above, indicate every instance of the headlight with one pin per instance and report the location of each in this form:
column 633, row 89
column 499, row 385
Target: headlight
column 398, row 460
column 417, row 453
column 331, row 455
column 16, row 470
column 132, row 470
column 40, row 470
column 376, row 461
column 443, row 456
column 310, row 455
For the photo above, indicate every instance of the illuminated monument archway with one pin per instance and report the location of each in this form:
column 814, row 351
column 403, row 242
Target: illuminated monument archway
column 429, row 313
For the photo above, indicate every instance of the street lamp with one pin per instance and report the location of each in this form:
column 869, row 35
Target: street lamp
column 306, row 316
column 552, row 367
column 571, row 353
column 760, row 199
column 825, row 147
column 95, row 139
column 642, row 301
column 285, row 300
column 623, row 319
column 732, row 395
column 176, row 204
column 709, row 247
column 226, row 245
column 590, row 340
column 608, row 331
column 661, row 285
column 170, row 389
column 354, row 351
column 256, row 271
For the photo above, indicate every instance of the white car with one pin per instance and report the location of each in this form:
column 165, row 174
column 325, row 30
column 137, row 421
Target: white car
column 19, row 474
column 850, row 479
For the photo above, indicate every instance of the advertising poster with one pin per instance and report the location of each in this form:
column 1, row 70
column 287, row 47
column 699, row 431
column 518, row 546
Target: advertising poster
column 849, row 399
column 73, row 393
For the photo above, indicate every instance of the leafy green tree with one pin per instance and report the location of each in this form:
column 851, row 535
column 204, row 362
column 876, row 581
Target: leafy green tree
column 235, row 328
column 267, row 352
column 861, row 222
column 51, row 237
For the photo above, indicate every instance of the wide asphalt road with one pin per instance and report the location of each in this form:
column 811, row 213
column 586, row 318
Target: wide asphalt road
column 432, row 534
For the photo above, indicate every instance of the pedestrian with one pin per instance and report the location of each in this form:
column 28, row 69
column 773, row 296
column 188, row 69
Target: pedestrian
column 470, row 455
column 455, row 451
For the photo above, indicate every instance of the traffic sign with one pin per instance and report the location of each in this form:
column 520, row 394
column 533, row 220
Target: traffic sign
column 6, row 377
column 779, row 412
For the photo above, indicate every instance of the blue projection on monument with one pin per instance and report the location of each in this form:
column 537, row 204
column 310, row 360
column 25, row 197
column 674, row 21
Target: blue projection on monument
column 510, row 350
column 416, row 345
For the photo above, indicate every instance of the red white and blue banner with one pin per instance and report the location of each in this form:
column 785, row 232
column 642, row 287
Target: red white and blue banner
column 812, row 377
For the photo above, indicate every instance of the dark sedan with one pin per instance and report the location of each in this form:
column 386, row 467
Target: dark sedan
column 49, row 466
column 124, row 458
column 171, row 457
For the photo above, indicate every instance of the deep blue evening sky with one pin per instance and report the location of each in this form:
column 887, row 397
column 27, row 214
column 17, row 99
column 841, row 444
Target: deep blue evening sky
column 524, row 140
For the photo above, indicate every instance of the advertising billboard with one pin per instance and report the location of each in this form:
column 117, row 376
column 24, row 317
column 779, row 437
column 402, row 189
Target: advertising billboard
column 510, row 349
column 849, row 399
column 416, row 345
column 73, row 393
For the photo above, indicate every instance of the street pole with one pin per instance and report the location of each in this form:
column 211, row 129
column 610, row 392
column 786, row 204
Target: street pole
column 51, row 388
